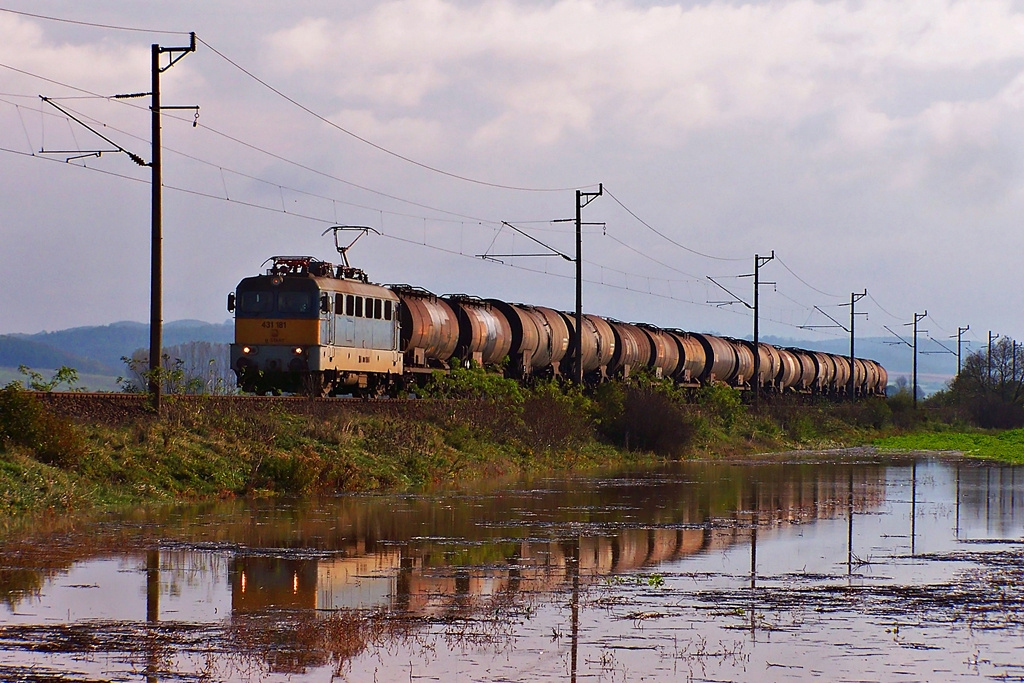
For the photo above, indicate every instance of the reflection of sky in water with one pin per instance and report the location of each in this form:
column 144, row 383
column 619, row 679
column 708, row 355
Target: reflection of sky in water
column 695, row 624
column 193, row 587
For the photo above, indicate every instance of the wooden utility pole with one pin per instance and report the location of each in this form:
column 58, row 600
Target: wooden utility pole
column 917, row 318
column 582, row 199
column 758, row 262
column 959, row 338
column 854, row 298
column 156, row 261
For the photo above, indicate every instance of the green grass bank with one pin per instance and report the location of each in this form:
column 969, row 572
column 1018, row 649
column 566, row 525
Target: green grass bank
column 472, row 427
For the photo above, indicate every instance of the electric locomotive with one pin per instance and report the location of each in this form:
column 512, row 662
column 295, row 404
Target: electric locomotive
column 308, row 326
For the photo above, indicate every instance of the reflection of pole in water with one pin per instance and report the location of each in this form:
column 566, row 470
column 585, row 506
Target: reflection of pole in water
column 575, row 564
column 988, row 501
column 957, row 530
column 152, row 611
column 849, row 527
column 753, row 540
column 913, row 509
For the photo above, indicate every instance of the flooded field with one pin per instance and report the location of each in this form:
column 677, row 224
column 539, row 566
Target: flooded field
column 853, row 567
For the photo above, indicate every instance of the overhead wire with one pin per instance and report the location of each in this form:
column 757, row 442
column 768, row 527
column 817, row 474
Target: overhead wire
column 805, row 282
column 91, row 24
column 303, row 107
column 663, row 235
column 398, row 238
column 374, row 145
column 255, row 148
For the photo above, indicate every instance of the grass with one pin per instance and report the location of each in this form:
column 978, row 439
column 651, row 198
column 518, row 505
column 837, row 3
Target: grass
column 1007, row 446
column 478, row 429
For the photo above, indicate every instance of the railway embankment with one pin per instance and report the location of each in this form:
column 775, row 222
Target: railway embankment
column 61, row 451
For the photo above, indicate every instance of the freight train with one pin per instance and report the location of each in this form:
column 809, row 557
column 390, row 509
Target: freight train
column 308, row 326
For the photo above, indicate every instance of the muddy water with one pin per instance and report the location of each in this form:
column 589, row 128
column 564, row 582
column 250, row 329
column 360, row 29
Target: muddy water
column 849, row 568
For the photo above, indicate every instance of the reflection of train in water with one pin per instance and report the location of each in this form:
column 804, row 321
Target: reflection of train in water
column 310, row 326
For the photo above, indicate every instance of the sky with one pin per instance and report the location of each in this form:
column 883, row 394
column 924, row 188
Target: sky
column 868, row 144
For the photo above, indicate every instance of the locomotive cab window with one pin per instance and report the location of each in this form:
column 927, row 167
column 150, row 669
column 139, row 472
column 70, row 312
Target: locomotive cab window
column 387, row 310
column 378, row 309
column 295, row 302
column 359, row 307
column 255, row 302
column 350, row 305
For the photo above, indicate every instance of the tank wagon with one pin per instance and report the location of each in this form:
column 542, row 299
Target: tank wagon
column 308, row 326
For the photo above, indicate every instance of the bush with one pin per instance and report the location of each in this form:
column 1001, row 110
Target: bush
column 644, row 418
column 722, row 401
column 473, row 382
column 25, row 422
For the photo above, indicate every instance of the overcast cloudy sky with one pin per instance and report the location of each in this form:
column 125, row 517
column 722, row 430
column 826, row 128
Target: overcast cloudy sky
column 870, row 144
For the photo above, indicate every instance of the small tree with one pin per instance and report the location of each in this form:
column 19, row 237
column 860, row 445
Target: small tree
column 63, row 375
column 991, row 387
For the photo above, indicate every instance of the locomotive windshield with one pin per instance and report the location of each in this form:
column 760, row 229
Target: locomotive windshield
column 295, row 303
column 287, row 300
column 254, row 303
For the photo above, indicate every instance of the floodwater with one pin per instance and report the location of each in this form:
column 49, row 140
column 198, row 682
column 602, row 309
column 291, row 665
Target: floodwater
column 849, row 567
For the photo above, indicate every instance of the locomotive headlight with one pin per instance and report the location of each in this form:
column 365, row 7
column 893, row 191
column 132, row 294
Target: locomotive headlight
column 250, row 350
column 297, row 350
column 247, row 350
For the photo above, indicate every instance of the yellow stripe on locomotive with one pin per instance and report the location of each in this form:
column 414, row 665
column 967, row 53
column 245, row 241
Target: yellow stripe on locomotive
column 253, row 331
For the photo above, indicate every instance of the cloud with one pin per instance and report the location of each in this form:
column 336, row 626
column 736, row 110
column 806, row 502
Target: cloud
column 101, row 66
column 541, row 71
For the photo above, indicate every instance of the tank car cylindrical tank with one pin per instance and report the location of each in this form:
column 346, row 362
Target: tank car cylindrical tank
column 692, row 357
column 842, row 373
column 632, row 349
column 771, row 364
column 870, row 376
column 429, row 328
column 790, row 370
column 722, row 363
column 744, row 362
column 559, row 335
column 665, row 350
column 597, row 345
column 484, row 333
column 529, row 347
column 860, row 375
column 808, row 369
column 883, row 379
column 825, row 366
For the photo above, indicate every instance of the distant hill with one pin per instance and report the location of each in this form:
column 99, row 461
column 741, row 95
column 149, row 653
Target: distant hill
column 15, row 351
column 99, row 349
